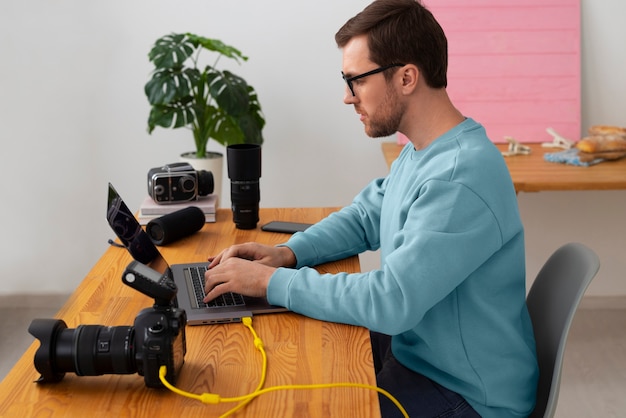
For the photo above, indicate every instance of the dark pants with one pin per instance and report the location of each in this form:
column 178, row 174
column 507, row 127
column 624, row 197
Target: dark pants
column 420, row 396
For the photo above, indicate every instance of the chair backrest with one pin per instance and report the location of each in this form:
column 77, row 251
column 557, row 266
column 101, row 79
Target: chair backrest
column 552, row 302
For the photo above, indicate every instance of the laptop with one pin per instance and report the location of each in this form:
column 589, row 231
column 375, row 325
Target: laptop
column 189, row 278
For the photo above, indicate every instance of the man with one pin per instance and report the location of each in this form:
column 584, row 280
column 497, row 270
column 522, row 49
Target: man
column 450, row 331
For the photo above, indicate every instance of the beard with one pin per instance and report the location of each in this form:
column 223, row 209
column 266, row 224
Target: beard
column 386, row 118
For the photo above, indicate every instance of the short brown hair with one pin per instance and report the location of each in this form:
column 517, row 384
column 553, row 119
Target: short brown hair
column 401, row 31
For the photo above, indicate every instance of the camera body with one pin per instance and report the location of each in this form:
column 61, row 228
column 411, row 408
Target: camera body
column 156, row 339
column 159, row 340
column 178, row 182
column 159, row 330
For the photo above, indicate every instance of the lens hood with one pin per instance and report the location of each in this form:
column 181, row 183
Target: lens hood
column 46, row 331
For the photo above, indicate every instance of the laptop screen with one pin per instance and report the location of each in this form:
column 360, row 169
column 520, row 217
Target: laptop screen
column 134, row 238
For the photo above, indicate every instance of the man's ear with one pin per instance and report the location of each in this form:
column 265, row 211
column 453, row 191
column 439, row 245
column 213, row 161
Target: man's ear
column 410, row 78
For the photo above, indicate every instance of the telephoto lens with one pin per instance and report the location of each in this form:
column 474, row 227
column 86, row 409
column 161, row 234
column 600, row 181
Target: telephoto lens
column 244, row 171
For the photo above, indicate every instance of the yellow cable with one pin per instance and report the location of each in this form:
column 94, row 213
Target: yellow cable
column 320, row 386
column 258, row 344
column 212, row 398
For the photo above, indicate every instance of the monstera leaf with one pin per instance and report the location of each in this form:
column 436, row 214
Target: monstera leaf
column 212, row 103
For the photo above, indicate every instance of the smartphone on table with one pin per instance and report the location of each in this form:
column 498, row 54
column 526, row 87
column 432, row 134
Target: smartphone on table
column 285, row 227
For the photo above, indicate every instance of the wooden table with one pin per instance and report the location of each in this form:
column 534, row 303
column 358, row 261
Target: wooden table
column 531, row 173
column 220, row 358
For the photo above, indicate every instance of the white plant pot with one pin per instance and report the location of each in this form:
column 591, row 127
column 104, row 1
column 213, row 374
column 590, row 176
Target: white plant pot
column 213, row 162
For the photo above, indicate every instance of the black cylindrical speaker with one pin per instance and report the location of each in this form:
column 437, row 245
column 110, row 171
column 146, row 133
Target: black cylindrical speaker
column 176, row 225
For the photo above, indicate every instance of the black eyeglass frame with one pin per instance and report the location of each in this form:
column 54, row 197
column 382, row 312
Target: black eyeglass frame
column 349, row 80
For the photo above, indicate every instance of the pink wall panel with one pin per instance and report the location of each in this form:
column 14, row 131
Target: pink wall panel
column 514, row 65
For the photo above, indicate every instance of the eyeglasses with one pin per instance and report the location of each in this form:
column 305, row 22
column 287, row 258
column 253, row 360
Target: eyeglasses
column 349, row 80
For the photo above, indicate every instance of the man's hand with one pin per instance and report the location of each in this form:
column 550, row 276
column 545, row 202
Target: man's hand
column 245, row 269
column 237, row 275
column 264, row 254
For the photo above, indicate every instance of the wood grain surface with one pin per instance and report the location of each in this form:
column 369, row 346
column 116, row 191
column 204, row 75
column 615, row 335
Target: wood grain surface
column 220, row 358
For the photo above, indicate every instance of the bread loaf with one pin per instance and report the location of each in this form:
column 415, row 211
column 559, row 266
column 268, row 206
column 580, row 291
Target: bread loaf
column 609, row 155
column 606, row 143
column 601, row 130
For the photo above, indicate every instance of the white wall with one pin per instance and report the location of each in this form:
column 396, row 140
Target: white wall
column 73, row 117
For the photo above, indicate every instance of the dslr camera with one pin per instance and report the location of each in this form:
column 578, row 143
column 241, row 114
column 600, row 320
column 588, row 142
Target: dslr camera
column 178, row 182
column 157, row 338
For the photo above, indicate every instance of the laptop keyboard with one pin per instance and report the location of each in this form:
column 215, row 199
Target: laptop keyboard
column 227, row 299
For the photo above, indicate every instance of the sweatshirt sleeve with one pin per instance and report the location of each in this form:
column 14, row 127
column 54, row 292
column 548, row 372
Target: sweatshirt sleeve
column 446, row 219
column 352, row 230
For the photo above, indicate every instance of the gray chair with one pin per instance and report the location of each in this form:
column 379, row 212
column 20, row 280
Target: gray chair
column 552, row 302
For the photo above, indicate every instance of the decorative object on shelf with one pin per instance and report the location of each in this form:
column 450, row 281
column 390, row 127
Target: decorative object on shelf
column 557, row 141
column 569, row 156
column 604, row 143
column 515, row 147
column 212, row 103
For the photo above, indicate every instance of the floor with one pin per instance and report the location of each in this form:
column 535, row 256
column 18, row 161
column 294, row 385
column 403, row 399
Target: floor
column 594, row 374
column 14, row 322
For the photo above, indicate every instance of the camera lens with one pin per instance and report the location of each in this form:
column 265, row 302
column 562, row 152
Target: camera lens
column 245, row 197
column 244, row 171
column 87, row 350
column 206, row 182
column 187, row 184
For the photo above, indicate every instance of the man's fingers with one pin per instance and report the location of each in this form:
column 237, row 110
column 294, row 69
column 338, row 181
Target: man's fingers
column 215, row 290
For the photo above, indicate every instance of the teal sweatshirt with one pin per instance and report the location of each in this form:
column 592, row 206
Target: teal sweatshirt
column 451, row 287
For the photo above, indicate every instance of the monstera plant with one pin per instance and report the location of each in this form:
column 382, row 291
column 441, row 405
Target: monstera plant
column 213, row 103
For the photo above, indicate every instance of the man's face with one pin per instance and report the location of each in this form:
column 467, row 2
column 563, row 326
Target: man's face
column 376, row 102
